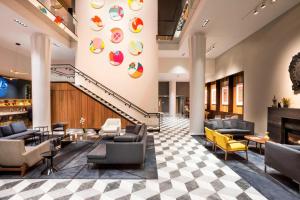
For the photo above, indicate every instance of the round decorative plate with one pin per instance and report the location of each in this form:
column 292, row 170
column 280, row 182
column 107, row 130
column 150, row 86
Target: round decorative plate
column 96, row 23
column 116, row 35
column 135, row 47
column 116, row 58
column 135, row 70
column 97, row 4
column 135, row 4
column 97, row 45
column 136, row 25
column 116, row 13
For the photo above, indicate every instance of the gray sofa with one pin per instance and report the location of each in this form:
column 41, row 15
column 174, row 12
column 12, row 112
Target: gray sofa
column 236, row 127
column 15, row 130
column 284, row 158
column 129, row 148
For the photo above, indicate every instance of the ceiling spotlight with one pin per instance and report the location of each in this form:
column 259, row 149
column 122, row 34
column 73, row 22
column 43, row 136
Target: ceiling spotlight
column 255, row 12
column 273, row 1
column 205, row 23
column 20, row 23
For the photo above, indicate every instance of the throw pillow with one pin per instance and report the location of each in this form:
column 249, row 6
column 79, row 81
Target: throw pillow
column 137, row 129
column 6, row 131
column 227, row 124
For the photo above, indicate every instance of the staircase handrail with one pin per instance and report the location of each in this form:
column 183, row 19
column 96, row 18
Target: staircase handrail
column 105, row 89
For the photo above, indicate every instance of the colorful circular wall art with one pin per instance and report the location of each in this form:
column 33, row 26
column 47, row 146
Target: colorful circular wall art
column 136, row 25
column 136, row 48
column 116, row 58
column 96, row 23
column 116, row 35
column 97, row 4
column 135, row 70
column 135, row 4
column 97, row 45
column 116, row 13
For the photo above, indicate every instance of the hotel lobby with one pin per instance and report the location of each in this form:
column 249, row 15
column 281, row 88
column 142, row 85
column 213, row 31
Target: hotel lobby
column 156, row 100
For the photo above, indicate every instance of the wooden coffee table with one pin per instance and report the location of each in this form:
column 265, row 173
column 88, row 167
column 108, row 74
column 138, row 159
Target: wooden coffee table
column 257, row 140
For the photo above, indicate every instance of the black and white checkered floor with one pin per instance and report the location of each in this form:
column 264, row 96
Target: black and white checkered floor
column 186, row 170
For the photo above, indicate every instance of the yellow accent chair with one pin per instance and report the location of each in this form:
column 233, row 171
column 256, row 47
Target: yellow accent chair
column 210, row 137
column 228, row 145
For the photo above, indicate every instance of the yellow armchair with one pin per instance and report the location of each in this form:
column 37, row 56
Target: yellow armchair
column 228, row 145
column 209, row 134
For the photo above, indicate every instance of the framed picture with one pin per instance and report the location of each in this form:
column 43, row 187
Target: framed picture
column 205, row 96
column 213, row 96
column 225, row 95
column 240, row 94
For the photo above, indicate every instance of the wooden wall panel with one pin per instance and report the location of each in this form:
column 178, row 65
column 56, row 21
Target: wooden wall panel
column 68, row 104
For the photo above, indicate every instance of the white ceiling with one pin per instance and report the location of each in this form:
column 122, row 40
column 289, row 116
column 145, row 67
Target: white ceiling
column 13, row 32
column 231, row 21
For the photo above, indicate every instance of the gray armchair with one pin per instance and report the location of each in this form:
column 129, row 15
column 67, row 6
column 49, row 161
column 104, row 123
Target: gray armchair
column 284, row 158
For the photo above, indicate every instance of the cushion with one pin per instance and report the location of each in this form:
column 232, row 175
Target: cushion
column 216, row 124
column 18, row 127
column 141, row 134
column 237, row 146
column 18, row 135
column 242, row 125
column 234, row 123
column 6, row 131
column 227, row 124
column 98, row 153
column 125, row 138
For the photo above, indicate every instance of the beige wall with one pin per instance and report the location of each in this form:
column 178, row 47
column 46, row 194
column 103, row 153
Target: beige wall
column 265, row 57
column 143, row 91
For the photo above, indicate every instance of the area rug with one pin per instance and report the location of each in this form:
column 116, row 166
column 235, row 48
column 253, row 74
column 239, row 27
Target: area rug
column 71, row 163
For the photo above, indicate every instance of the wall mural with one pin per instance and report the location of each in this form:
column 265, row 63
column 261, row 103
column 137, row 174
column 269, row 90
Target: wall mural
column 136, row 25
column 294, row 70
column 135, row 70
column 96, row 23
column 135, row 48
column 116, row 58
column 97, row 45
column 116, row 13
column 116, row 35
column 97, row 4
column 135, row 5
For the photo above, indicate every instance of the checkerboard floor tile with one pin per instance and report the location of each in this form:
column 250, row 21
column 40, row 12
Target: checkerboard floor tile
column 186, row 170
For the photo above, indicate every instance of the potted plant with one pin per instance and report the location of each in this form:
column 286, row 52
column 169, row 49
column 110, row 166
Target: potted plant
column 285, row 102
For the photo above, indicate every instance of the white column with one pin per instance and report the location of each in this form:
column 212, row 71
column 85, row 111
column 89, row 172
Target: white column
column 197, row 84
column 40, row 69
column 172, row 98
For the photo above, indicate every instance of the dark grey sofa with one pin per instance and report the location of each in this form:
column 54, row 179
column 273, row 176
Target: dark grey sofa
column 126, row 149
column 15, row 130
column 284, row 158
column 236, row 127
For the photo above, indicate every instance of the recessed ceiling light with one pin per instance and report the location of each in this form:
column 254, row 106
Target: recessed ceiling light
column 20, row 23
column 263, row 5
column 205, row 23
column 255, row 12
column 273, row 1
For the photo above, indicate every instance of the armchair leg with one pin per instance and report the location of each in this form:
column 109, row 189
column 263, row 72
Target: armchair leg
column 246, row 155
column 225, row 155
column 266, row 169
column 23, row 169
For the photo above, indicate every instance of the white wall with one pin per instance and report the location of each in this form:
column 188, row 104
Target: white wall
column 265, row 57
column 143, row 91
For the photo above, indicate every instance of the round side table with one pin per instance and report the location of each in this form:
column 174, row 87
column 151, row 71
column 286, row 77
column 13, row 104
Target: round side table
column 48, row 157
